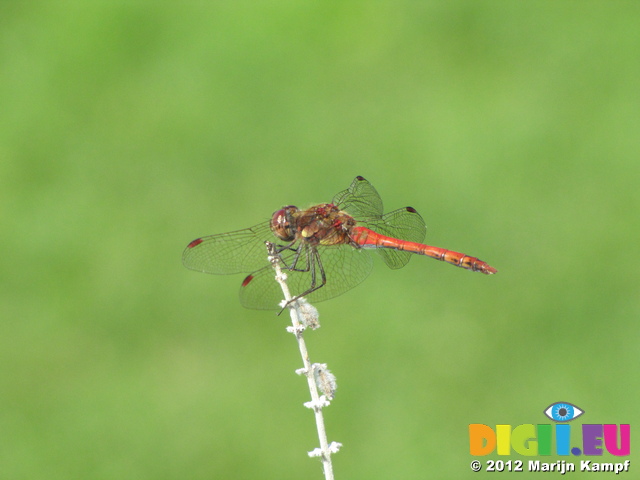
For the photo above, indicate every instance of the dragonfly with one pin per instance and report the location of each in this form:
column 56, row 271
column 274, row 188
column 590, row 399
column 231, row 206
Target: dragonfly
column 324, row 249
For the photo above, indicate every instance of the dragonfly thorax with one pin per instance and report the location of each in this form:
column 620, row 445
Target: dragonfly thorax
column 323, row 224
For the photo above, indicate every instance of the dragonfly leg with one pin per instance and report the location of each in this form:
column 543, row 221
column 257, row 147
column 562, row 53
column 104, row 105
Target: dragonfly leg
column 313, row 262
column 296, row 258
column 281, row 248
column 301, row 252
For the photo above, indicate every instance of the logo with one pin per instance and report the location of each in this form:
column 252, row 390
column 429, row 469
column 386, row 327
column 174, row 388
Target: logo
column 562, row 411
column 562, row 438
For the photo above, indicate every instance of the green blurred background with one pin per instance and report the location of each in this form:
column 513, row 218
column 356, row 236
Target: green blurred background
column 127, row 130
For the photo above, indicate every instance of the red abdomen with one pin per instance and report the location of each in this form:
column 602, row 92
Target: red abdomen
column 367, row 238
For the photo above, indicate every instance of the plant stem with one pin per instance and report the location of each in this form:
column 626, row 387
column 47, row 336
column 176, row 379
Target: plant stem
column 304, row 315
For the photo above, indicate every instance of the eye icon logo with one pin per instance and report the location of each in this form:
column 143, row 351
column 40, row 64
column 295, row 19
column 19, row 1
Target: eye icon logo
column 562, row 411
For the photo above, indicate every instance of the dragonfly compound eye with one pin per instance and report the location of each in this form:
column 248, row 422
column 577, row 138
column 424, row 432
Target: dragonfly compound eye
column 282, row 223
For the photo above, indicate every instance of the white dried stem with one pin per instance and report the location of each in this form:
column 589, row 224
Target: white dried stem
column 304, row 315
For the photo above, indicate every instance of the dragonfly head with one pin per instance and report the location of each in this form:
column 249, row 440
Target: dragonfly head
column 283, row 223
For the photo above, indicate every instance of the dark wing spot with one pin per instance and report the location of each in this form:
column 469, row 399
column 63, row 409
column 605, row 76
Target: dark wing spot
column 195, row 243
column 411, row 210
column 246, row 281
column 360, row 178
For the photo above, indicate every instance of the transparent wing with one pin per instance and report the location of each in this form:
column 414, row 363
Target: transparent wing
column 241, row 251
column 344, row 267
column 405, row 224
column 360, row 200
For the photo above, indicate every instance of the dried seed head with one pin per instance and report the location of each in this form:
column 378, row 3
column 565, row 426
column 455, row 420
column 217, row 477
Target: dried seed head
column 325, row 380
column 309, row 315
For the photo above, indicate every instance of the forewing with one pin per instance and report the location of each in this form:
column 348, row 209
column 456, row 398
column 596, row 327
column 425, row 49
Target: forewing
column 405, row 224
column 360, row 200
column 232, row 252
